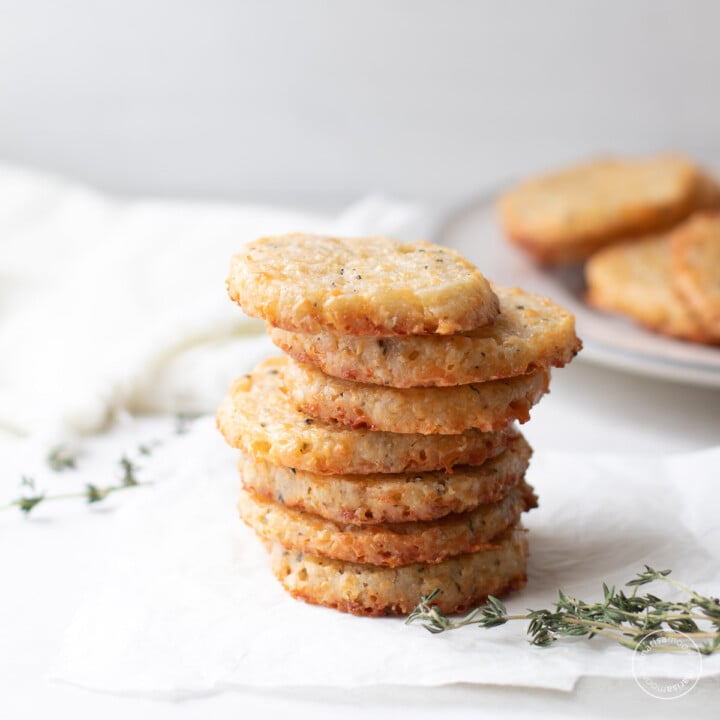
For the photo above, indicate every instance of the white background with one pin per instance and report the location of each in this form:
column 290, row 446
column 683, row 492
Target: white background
column 319, row 101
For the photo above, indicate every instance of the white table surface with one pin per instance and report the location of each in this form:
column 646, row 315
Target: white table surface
column 49, row 560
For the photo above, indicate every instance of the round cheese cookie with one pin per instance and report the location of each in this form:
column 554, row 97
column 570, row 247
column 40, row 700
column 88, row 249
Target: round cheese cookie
column 387, row 498
column 530, row 332
column 360, row 286
column 634, row 279
column 695, row 267
column 464, row 580
column 450, row 410
column 259, row 418
column 385, row 544
column 565, row 216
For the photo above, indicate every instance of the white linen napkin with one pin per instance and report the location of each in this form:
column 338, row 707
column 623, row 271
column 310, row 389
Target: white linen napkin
column 188, row 604
column 110, row 304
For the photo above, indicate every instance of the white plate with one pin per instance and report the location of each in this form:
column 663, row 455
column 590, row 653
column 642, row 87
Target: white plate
column 607, row 339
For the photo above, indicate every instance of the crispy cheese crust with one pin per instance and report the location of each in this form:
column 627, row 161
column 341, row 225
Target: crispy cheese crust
column 259, row 418
column 565, row 216
column 466, row 580
column 708, row 193
column 360, row 286
column 389, row 544
column 446, row 411
column 530, row 332
column 387, row 498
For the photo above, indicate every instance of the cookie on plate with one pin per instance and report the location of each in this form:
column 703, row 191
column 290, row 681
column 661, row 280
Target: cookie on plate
column 530, row 332
column 466, row 580
column 386, row 544
column 389, row 498
column 360, row 286
column 565, row 216
column 695, row 267
column 447, row 411
column 708, row 193
column 259, row 418
column 634, row 279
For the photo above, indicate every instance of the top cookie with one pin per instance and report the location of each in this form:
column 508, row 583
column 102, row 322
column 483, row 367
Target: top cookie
column 695, row 267
column 360, row 286
column 565, row 216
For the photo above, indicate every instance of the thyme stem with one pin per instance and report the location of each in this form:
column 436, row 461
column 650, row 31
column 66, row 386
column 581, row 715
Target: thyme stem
column 630, row 620
column 92, row 493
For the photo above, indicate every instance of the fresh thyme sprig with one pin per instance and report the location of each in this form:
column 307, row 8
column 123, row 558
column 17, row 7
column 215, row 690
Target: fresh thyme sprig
column 632, row 620
column 92, row 493
column 62, row 458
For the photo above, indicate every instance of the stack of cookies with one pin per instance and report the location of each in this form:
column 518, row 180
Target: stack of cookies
column 380, row 461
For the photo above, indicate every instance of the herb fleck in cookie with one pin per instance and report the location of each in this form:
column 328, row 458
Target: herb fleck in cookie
column 360, row 286
column 259, row 418
column 695, row 267
column 387, row 498
column 565, row 216
column 386, row 544
column 634, row 279
column 373, row 590
column 486, row 406
column 530, row 332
